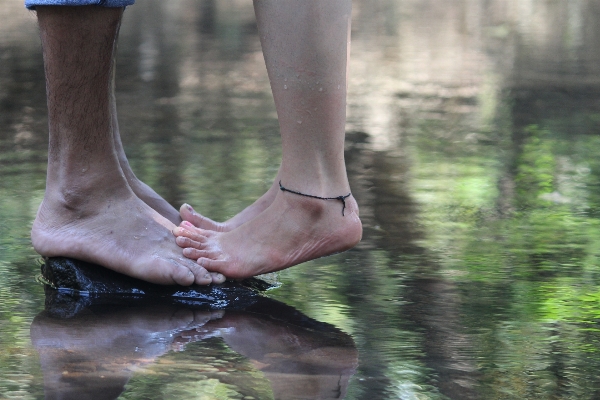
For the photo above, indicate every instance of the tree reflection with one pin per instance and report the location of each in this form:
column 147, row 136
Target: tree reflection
column 473, row 151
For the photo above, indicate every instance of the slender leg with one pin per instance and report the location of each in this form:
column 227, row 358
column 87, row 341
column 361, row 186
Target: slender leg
column 89, row 211
column 305, row 44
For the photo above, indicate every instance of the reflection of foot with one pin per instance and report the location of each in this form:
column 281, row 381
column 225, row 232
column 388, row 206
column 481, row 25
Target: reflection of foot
column 299, row 360
column 117, row 231
column 293, row 229
column 119, row 331
column 189, row 214
column 95, row 353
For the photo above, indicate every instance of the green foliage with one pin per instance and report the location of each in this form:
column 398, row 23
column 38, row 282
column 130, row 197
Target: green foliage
column 536, row 167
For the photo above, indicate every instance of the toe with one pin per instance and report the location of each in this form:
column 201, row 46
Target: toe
column 195, row 254
column 191, row 232
column 184, row 242
column 183, row 276
column 214, row 265
column 187, row 213
column 202, row 277
column 199, row 273
column 217, row 278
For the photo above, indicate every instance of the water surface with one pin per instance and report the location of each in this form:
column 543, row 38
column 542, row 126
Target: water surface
column 472, row 148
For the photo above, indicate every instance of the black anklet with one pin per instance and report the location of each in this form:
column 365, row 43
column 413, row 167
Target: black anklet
column 340, row 198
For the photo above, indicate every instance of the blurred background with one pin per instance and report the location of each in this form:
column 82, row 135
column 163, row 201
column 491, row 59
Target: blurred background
column 472, row 147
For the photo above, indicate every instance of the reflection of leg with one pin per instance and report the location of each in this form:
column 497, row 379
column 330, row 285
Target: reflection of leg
column 299, row 361
column 89, row 212
column 141, row 190
column 306, row 47
column 92, row 355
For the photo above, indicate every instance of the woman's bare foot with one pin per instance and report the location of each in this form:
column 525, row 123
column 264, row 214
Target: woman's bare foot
column 119, row 232
column 187, row 213
column 292, row 230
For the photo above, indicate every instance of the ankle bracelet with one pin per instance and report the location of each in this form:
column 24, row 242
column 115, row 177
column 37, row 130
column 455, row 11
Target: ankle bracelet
column 340, row 198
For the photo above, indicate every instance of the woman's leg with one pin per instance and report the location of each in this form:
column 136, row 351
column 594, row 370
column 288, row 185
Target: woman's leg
column 305, row 44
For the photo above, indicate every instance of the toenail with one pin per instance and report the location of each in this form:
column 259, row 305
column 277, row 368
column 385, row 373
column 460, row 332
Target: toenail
column 189, row 208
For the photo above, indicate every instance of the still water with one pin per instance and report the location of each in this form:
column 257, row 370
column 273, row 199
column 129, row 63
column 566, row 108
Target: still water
column 472, row 147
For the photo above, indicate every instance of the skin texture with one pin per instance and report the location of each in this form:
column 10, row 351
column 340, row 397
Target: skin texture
column 89, row 211
column 305, row 45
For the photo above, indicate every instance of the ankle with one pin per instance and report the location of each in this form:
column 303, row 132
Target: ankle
column 340, row 198
column 316, row 210
column 82, row 192
column 318, row 179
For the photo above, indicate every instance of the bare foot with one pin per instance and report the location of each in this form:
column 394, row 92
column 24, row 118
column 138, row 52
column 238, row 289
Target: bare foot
column 292, row 230
column 90, row 211
column 187, row 213
column 119, row 232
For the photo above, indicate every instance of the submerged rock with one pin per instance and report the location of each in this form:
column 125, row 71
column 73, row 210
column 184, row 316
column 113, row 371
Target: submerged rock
column 67, row 279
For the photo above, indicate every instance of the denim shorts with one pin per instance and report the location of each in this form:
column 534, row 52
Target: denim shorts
column 31, row 4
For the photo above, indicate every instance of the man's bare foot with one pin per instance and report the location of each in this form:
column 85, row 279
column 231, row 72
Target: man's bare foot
column 187, row 213
column 292, row 230
column 119, row 232
column 90, row 211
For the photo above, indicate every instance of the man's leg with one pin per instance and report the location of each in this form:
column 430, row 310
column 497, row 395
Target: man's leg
column 143, row 191
column 89, row 211
column 305, row 44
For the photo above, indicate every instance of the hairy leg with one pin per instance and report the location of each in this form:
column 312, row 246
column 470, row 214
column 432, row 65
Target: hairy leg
column 305, row 45
column 89, row 211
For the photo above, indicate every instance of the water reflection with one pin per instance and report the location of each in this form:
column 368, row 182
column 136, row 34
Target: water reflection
column 472, row 148
column 105, row 351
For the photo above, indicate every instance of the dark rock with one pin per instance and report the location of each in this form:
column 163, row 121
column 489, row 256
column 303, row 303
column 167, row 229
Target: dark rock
column 68, row 279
